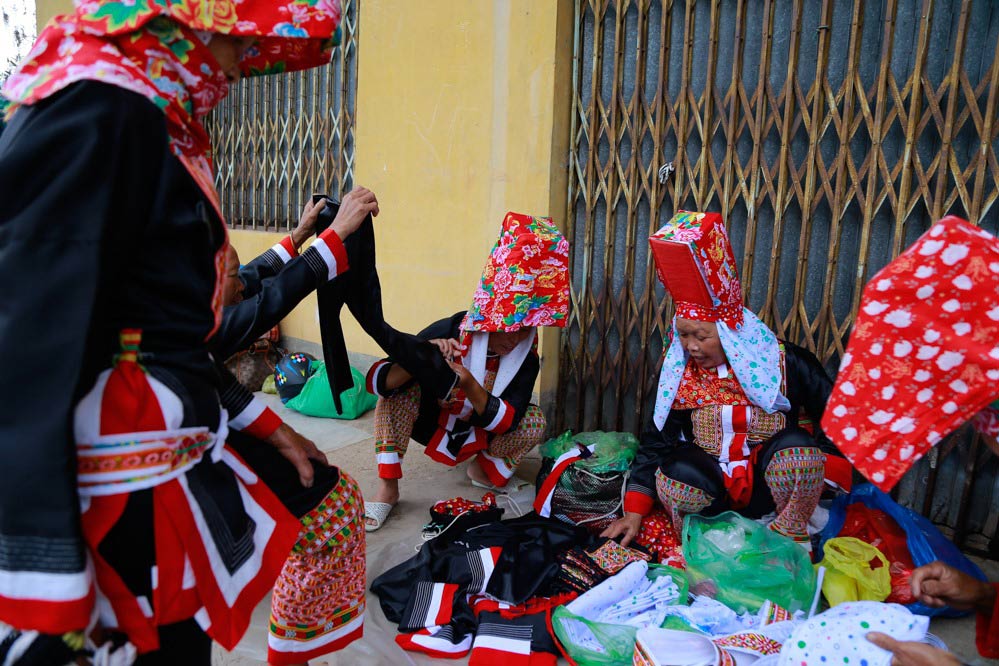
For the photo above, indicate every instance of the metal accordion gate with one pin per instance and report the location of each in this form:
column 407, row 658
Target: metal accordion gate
column 830, row 134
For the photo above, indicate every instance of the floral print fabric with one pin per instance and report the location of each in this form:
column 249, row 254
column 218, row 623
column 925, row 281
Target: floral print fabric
column 526, row 279
column 924, row 354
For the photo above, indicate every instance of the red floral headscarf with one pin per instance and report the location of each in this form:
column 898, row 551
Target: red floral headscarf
column 526, row 280
column 152, row 47
column 923, row 357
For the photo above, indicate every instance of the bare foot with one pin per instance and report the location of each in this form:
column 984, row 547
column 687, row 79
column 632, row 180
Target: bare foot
column 476, row 473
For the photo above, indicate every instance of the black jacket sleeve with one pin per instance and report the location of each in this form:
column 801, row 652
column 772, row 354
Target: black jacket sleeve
column 808, row 386
column 74, row 188
column 244, row 322
column 653, row 447
column 253, row 274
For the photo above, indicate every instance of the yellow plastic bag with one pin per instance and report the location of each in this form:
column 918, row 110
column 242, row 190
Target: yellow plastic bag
column 855, row 571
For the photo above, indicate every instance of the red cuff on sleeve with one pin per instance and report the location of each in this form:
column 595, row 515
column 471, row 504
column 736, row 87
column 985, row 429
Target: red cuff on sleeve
column 987, row 630
column 289, row 245
column 636, row 502
column 335, row 245
column 264, row 425
column 503, row 419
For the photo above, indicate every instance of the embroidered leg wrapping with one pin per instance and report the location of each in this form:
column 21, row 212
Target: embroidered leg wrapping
column 318, row 602
column 794, row 477
column 394, row 420
column 680, row 499
column 507, row 450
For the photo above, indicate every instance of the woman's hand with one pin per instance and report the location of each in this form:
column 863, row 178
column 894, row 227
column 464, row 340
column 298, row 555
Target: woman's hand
column 298, row 450
column 627, row 526
column 307, row 222
column 937, row 584
column 478, row 396
column 449, row 347
column 356, row 206
column 911, row 653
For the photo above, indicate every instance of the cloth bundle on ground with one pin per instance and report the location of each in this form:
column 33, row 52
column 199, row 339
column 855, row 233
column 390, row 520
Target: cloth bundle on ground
column 582, row 477
column 923, row 540
column 923, row 357
column 511, row 562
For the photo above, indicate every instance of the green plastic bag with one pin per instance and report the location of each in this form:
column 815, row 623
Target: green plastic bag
column 317, row 400
column 599, row 643
column 747, row 563
column 613, row 452
column 851, row 572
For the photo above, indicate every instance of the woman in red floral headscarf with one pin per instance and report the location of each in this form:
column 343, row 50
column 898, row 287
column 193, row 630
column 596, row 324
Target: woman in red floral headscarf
column 493, row 359
column 123, row 500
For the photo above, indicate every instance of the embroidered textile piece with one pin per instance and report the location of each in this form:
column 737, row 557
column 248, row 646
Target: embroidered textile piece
column 680, row 499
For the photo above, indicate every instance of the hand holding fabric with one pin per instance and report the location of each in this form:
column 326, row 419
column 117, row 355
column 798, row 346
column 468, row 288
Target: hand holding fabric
column 937, row 584
column 298, row 450
column 627, row 526
column 449, row 347
column 356, row 205
column 912, row 653
column 307, row 222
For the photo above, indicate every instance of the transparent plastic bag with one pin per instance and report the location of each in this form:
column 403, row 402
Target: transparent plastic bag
column 743, row 564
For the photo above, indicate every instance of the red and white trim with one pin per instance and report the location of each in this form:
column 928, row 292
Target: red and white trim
column 373, row 376
column 281, row 651
column 543, row 501
column 330, row 248
column 389, row 465
column 503, row 419
column 285, row 249
column 496, row 469
column 430, row 642
column 256, row 419
column 52, row 603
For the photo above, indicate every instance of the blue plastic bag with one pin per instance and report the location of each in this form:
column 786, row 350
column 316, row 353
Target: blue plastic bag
column 926, row 543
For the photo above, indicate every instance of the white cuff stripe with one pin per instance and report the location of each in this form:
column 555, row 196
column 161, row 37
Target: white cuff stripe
column 327, row 254
column 500, row 414
column 246, row 417
column 281, row 252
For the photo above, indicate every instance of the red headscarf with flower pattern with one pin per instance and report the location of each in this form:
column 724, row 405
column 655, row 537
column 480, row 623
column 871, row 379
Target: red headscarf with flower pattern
column 923, row 357
column 526, row 280
column 150, row 47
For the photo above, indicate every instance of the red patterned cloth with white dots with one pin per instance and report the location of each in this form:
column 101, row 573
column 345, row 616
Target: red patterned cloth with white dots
column 923, row 357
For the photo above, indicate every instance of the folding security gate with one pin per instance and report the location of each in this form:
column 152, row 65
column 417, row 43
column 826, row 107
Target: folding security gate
column 829, row 134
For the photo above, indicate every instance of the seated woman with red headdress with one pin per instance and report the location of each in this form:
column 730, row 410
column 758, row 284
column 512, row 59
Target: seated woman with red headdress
column 726, row 433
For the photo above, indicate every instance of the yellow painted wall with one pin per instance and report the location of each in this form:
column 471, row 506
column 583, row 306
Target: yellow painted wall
column 46, row 9
column 462, row 114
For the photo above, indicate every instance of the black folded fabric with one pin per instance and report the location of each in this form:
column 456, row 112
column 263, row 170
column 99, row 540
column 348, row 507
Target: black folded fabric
column 360, row 289
column 526, row 567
